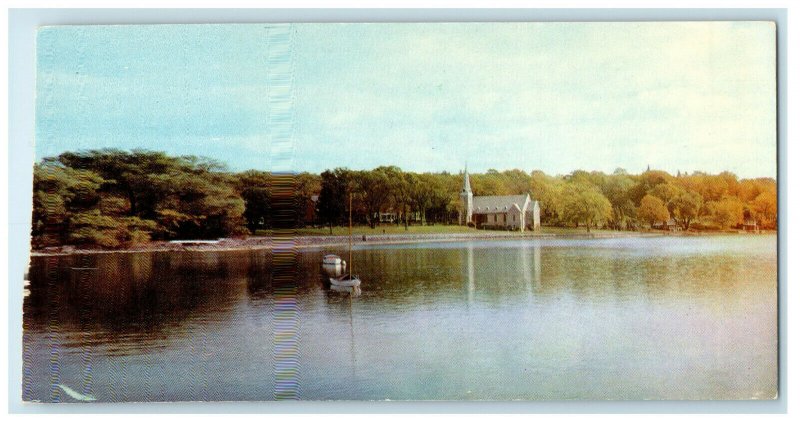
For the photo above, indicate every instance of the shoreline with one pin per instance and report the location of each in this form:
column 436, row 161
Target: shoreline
column 256, row 243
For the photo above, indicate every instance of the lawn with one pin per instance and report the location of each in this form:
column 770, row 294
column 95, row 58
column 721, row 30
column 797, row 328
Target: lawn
column 387, row 229
column 573, row 230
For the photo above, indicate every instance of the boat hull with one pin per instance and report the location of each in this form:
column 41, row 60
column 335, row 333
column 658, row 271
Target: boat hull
column 355, row 282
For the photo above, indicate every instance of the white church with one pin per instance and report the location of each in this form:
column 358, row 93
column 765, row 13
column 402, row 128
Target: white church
column 503, row 212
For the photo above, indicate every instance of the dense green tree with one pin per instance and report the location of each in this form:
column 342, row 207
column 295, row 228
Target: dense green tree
column 203, row 205
column 546, row 189
column 306, row 185
column 616, row 188
column 420, row 194
column 334, row 188
column 401, row 186
column 491, row 183
column 443, row 189
column 59, row 193
column 254, row 188
column 686, row 207
column 375, row 191
column 583, row 203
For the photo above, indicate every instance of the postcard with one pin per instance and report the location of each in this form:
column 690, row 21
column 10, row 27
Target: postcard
column 409, row 211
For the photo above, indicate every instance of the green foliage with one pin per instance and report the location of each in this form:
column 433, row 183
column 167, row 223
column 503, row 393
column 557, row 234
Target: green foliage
column 616, row 188
column 666, row 192
column 375, row 190
column 334, row 188
column 115, row 205
column 546, row 189
column 92, row 228
column 112, row 198
column 584, row 203
column 686, row 207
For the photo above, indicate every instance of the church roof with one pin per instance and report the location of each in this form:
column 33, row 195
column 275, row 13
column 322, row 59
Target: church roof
column 501, row 203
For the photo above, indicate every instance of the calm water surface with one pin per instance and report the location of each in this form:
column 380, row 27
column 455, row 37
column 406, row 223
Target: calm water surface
column 633, row 318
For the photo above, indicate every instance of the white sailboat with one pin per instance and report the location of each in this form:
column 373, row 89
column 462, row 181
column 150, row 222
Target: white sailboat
column 348, row 279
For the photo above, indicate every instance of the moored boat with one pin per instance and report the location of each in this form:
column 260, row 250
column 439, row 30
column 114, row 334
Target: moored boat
column 332, row 259
column 346, row 280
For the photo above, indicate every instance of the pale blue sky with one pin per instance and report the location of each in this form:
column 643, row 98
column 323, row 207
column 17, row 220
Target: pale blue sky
column 425, row 97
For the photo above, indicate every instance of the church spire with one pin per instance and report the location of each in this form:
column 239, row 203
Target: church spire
column 465, row 214
column 467, row 187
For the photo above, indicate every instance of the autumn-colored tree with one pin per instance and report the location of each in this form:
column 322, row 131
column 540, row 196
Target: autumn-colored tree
column 727, row 212
column 652, row 210
column 765, row 209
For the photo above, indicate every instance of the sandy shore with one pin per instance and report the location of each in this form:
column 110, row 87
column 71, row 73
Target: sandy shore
column 306, row 242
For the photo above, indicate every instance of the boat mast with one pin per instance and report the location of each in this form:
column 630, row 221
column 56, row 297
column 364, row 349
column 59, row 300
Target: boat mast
column 350, row 236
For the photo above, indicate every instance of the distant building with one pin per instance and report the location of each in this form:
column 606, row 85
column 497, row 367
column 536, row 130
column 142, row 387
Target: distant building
column 501, row 212
column 750, row 225
column 670, row 225
column 388, row 217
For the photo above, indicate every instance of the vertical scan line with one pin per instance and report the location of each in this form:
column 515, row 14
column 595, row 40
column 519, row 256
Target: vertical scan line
column 85, row 281
column 53, row 308
column 280, row 121
column 27, row 358
column 285, row 338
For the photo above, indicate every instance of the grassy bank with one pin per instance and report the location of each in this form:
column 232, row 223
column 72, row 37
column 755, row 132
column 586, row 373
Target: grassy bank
column 437, row 229
column 366, row 230
column 451, row 229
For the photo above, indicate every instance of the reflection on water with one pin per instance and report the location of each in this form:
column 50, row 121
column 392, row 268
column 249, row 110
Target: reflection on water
column 519, row 319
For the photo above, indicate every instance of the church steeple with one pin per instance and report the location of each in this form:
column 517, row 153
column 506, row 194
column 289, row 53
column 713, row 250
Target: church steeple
column 467, row 187
column 465, row 216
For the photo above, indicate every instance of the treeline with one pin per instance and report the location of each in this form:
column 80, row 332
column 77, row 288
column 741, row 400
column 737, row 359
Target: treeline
column 623, row 201
column 619, row 201
column 112, row 198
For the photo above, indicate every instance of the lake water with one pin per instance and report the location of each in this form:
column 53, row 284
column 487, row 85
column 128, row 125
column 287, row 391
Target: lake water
column 628, row 318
